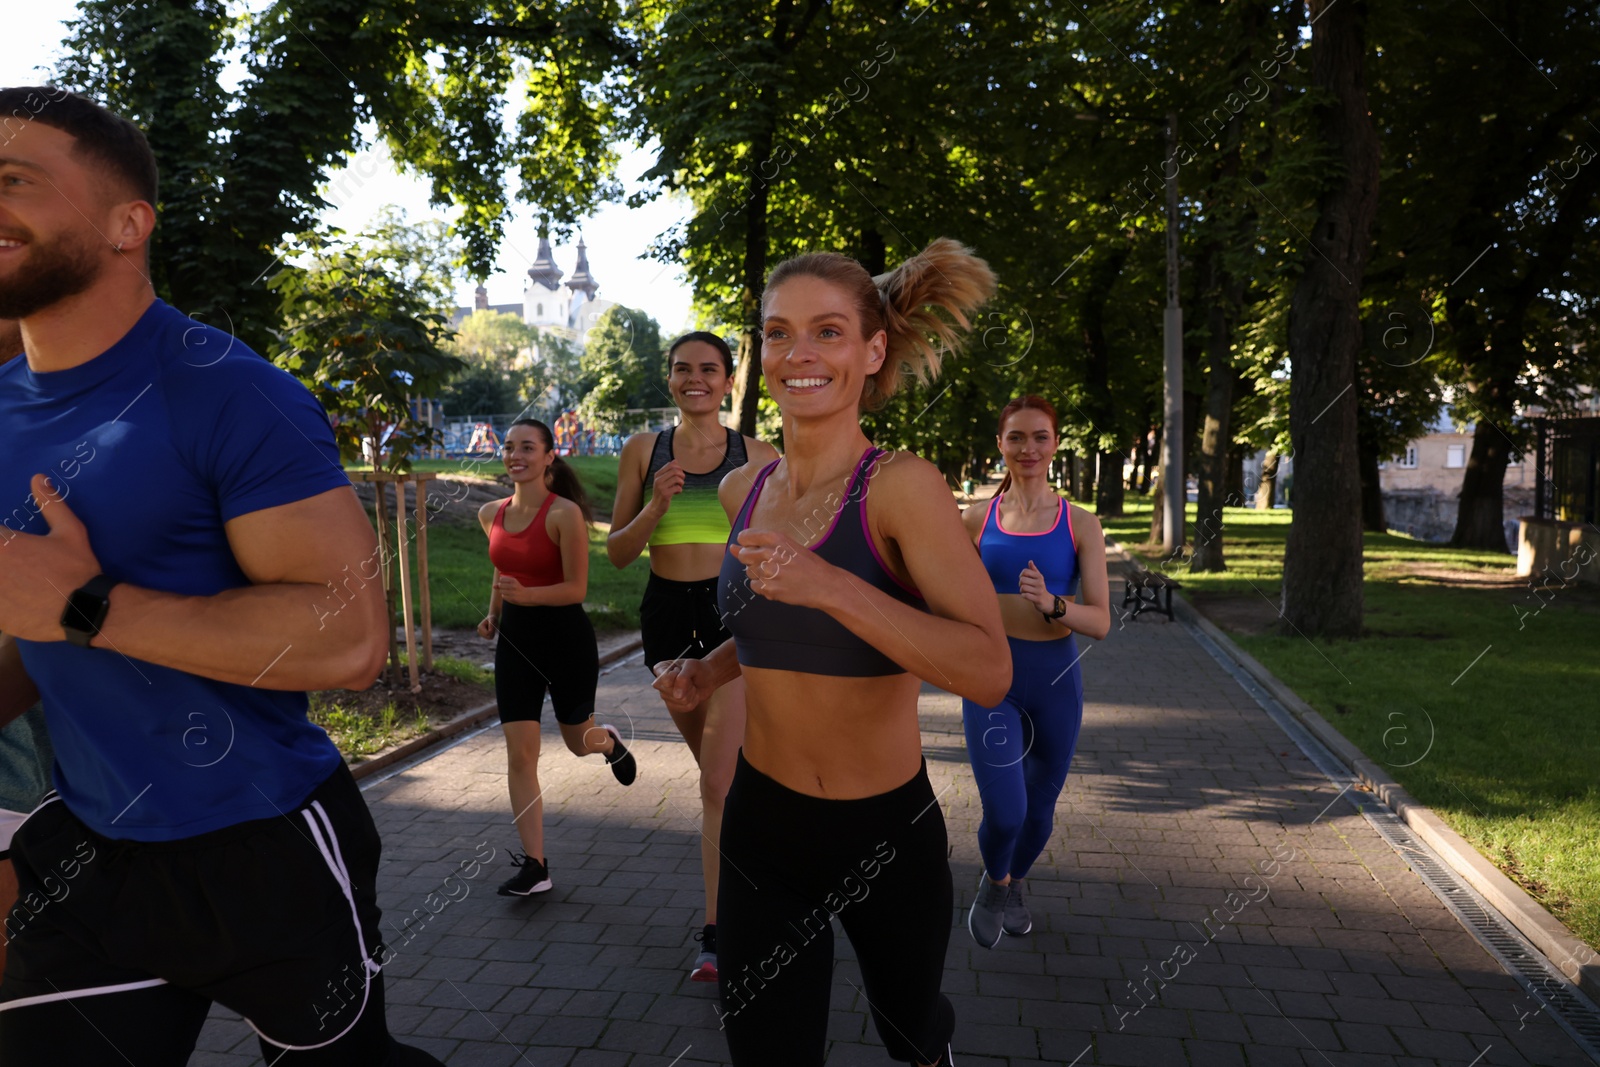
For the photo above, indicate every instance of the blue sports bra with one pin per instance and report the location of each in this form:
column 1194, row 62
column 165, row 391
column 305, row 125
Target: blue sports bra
column 786, row 637
column 1053, row 551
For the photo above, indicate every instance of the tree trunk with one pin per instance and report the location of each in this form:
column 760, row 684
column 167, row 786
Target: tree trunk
column 1104, row 272
column 1236, row 487
column 1158, row 510
column 1216, row 439
column 1141, row 463
column 1267, row 490
column 1480, row 517
column 747, row 370
column 1108, row 490
column 1371, row 493
column 1322, row 565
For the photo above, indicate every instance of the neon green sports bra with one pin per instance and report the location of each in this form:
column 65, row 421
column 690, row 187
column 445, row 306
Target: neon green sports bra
column 695, row 516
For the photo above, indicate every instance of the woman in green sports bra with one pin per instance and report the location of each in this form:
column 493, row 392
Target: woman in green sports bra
column 663, row 503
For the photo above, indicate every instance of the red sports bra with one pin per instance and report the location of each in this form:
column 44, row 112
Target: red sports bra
column 529, row 556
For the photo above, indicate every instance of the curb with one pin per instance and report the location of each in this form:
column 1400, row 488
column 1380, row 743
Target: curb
column 463, row 722
column 1549, row 935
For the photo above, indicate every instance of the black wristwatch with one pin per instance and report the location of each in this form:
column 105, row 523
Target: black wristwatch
column 1061, row 609
column 86, row 610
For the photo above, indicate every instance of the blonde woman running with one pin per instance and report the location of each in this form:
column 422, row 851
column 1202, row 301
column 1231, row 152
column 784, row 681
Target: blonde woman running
column 848, row 582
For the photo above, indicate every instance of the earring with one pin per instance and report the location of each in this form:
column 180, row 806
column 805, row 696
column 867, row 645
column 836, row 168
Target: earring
column 119, row 246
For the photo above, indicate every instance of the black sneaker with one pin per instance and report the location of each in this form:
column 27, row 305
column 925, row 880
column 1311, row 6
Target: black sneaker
column 705, row 964
column 621, row 760
column 532, row 877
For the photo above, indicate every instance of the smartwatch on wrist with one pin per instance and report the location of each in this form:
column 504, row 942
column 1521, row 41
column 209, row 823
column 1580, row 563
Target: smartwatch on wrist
column 1061, row 609
column 86, row 610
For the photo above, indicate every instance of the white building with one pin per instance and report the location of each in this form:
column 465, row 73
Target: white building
column 569, row 310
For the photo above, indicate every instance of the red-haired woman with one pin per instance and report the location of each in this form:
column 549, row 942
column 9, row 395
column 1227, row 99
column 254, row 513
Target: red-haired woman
column 539, row 545
column 1038, row 550
column 838, row 612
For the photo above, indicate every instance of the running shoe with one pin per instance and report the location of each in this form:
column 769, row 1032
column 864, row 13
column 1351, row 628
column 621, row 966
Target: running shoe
column 621, row 760
column 985, row 920
column 705, row 964
column 1017, row 919
column 532, row 877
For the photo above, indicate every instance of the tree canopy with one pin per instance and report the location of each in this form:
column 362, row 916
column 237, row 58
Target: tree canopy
column 1032, row 131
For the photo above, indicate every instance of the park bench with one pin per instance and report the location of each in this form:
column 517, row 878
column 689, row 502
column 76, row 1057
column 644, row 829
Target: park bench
column 1147, row 590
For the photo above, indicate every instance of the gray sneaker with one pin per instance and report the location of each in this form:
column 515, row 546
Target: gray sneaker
column 1017, row 920
column 987, row 914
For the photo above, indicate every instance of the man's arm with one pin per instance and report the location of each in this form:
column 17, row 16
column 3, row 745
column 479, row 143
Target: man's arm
column 314, row 619
column 17, row 691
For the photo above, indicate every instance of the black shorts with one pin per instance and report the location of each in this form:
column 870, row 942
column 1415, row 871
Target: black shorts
column 679, row 620
column 119, row 947
column 546, row 648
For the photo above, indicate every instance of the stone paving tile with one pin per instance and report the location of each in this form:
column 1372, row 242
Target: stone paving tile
column 1204, row 901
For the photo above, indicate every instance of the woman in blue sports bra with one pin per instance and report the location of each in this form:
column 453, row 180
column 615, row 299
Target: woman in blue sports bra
column 1037, row 548
column 848, row 582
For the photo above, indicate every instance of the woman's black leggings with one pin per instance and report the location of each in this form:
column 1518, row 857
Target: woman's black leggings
column 792, row 862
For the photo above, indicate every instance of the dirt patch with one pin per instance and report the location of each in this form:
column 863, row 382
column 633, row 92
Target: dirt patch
column 1247, row 614
column 1474, row 579
column 454, row 499
column 442, row 697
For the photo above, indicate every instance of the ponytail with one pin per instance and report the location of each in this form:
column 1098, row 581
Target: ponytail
column 562, row 479
column 905, row 303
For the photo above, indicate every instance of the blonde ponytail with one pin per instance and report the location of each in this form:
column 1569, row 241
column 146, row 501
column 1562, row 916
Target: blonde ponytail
column 945, row 276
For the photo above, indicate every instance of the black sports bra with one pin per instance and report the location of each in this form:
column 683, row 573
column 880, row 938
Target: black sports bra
column 787, row 637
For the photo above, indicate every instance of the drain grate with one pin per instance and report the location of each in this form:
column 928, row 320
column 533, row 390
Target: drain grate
column 1574, row 1012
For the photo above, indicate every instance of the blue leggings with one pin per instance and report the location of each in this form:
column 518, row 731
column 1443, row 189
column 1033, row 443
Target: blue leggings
column 1020, row 750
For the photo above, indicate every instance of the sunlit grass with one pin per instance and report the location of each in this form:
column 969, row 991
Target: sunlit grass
column 357, row 734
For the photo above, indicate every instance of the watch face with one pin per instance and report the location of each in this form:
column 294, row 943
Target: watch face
column 85, row 612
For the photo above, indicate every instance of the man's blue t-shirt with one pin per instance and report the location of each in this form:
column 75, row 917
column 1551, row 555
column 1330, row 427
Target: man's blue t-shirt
column 157, row 442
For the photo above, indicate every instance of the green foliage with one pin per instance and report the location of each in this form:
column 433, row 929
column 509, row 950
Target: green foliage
column 365, row 343
column 499, row 373
column 421, row 255
column 625, row 361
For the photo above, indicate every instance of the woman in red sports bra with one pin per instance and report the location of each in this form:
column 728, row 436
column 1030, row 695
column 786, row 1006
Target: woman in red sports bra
column 850, row 582
column 539, row 544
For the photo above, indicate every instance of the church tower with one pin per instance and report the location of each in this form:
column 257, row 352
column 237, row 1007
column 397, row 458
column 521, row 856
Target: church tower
column 543, row 302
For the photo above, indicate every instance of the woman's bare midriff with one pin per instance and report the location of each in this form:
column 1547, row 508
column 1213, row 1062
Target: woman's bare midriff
column 1024, row 621
column 687, row 562
column 836, row 738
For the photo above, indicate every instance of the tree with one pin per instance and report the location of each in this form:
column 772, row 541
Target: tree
column 365, row 344
column 501, row 371
column 1494, row 201
column 1322, row 565
column 625, row 359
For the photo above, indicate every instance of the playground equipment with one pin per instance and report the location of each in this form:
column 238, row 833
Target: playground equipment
column 483, row 439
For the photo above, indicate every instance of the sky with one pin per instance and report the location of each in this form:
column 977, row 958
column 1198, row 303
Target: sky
column 616, row 237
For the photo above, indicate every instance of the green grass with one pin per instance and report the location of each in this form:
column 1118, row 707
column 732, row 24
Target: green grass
column 459, row 669
column 359, row 735
column 1479, row 703
column 458, row 557
column 459, row 575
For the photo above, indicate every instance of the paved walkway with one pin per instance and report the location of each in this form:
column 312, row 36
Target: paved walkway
column 1206, row 900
